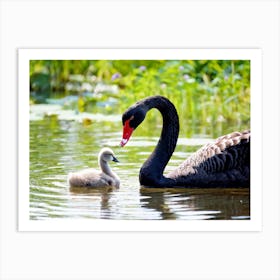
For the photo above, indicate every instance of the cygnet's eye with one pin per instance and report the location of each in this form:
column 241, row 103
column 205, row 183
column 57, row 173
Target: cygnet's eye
column 107, row 157
column 110, row 157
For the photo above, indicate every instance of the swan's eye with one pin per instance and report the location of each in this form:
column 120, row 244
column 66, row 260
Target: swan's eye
column 128, row 122
column 137, row 118
column 131, row 118
column 126, row 119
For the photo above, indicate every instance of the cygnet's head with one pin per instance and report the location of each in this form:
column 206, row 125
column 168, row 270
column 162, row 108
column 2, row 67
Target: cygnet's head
column 106, row 154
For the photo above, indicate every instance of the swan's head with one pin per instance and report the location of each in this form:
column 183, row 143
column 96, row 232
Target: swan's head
column 106, row 154
column 131, row 119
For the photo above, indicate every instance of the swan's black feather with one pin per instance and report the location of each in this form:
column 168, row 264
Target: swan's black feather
column 224, row 163
column 229, row 169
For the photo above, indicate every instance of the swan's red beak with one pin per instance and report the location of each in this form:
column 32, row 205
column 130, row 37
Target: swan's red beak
column 127, row 131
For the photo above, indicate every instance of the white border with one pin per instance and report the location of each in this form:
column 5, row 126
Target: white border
column 25, row 55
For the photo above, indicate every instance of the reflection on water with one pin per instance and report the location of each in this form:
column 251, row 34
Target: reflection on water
column 199, row 203
column 58, row 147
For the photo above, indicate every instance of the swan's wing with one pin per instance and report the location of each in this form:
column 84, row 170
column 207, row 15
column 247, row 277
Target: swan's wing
column 88, row 178
column 222, row 154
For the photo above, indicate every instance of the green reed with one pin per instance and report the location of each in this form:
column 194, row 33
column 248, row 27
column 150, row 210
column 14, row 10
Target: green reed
column 210, row 95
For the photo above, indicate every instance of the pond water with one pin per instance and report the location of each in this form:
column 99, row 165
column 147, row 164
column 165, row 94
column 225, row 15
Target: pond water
column 59, row 145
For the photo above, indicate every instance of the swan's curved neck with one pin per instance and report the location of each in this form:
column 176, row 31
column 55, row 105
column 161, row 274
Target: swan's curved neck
column 105, row 167
column 152, row 169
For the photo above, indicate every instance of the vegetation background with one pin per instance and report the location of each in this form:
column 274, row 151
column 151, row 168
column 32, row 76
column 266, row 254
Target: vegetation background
column 211, row 96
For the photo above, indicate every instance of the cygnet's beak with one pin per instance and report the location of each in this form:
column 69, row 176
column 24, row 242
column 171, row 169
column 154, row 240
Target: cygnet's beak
column 115, row 159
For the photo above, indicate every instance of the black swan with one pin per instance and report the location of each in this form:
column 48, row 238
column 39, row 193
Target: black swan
column 94, row 178
column 225, row 163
